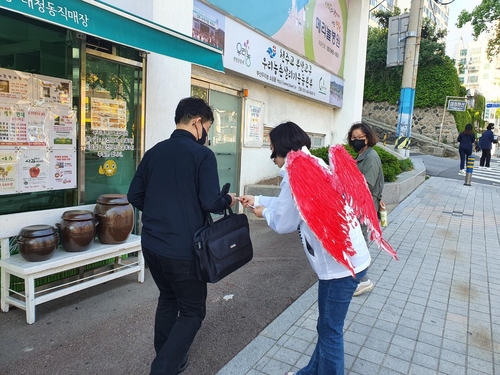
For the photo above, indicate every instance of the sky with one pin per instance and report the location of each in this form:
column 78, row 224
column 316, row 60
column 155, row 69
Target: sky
column 454, row 33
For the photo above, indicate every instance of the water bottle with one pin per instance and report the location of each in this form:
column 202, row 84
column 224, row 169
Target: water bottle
column 383, row 218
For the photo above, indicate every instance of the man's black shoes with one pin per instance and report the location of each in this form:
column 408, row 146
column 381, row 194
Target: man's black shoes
column 184, row 365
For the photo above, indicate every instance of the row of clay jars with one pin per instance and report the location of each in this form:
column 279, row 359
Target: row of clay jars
column 112, row 221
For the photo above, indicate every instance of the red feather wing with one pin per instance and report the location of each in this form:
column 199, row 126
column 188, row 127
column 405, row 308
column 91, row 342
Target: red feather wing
column 350, row 181
column 321, row 206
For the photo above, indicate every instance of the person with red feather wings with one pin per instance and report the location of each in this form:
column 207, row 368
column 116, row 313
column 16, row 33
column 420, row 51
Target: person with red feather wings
column 326, row 204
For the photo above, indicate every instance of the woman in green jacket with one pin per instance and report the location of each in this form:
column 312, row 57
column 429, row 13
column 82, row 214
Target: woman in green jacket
column 362, row 138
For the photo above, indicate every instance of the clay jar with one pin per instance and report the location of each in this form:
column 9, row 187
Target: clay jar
column 37, row 242
column 115, row 218
column 77, row 230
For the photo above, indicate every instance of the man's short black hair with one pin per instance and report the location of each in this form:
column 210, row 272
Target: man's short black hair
column 286, row 137
column 491, row 126
column 189, row 108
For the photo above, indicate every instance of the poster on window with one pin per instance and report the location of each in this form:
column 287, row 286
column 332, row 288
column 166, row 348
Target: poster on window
column 62, row 169
column 38, row 126
column 8, row 172
column 13, row 125
column 63, row 134
column 108, row 114
column 254, row 123
column 52, row 91
column 15, row 87
column 34, row 170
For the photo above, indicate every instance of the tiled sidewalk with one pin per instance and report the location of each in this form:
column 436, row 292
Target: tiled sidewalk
column 435, row 311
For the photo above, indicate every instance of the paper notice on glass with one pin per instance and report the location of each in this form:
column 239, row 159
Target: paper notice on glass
column 34, row 170
column 38, row 126
column 52, row 91
column 108, row 115
column 62, row 169
column 9, row 172
column 13, row 125
column 15, row 87
column 254, row 124
column 63, row 132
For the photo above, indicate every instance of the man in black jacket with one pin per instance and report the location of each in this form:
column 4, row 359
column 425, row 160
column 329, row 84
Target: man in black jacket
column 174, row 186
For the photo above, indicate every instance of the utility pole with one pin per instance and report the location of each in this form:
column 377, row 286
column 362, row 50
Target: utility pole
column 410, row 68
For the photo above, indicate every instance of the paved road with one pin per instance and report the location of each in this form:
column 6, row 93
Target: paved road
column 448, row 168
column 108, row 329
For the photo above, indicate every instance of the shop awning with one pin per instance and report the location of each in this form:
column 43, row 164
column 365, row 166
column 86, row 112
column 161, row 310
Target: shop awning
column 107, row 22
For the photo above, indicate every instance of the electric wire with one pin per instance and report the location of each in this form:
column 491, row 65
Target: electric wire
column 379, row 4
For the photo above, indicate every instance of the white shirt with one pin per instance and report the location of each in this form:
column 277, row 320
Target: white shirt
column 282, row 216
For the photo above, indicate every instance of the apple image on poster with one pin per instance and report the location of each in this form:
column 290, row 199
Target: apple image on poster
column 34, row 171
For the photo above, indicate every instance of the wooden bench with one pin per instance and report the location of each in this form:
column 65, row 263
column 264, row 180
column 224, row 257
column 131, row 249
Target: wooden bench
column 61, row 261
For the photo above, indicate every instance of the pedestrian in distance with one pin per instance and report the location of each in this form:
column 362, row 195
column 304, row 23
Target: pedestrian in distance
column 175, row 185
column 486, row 143
column 362, row 138
column 466, row 140
column 336, row 283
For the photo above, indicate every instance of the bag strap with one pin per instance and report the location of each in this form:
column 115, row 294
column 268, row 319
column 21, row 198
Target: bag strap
column 224, row 191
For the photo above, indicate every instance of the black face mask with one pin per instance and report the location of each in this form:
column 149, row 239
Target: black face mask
column 358, row 144
column 203, row 138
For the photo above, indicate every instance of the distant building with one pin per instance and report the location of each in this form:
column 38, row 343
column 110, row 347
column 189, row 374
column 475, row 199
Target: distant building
column 439, row 14
column 477, row 73
column 377, row 5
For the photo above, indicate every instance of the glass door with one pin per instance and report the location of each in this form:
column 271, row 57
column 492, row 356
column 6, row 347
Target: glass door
column 224, row 136
column 112, row 123
column 225, row 133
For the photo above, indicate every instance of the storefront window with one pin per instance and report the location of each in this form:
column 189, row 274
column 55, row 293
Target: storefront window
column 70, row 116
column 42, row 54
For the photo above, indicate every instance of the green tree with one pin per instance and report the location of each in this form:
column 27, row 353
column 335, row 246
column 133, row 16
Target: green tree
column 437, row 76
column 484, row 18
column 383, row 16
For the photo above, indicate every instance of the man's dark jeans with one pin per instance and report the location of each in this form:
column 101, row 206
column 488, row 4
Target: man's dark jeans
column 180, row 311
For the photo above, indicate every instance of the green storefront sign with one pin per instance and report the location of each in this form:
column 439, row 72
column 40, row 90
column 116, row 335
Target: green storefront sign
column 106, row 22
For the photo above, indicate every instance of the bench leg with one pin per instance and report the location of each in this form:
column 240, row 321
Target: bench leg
column 30, row 299
column 140, row 258
column 4, row 289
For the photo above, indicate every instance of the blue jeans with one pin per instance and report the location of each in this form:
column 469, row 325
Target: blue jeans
column 334, row 298
column 180, row 311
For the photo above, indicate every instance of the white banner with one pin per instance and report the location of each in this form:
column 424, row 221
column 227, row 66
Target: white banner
column 251, row 54
column 254, row 123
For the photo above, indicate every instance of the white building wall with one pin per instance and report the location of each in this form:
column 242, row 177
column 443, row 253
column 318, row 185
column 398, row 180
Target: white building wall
column 280, row 106
column 479, row 74
column 354, row 72
column 168, row 80
column 142, row 9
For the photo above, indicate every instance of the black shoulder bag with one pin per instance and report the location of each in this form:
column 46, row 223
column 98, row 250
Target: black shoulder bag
column 223, row 246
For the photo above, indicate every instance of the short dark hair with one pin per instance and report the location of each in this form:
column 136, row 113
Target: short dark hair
column 189, row 108
column 367, row 130
column 286, row 137
column 490, row 126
